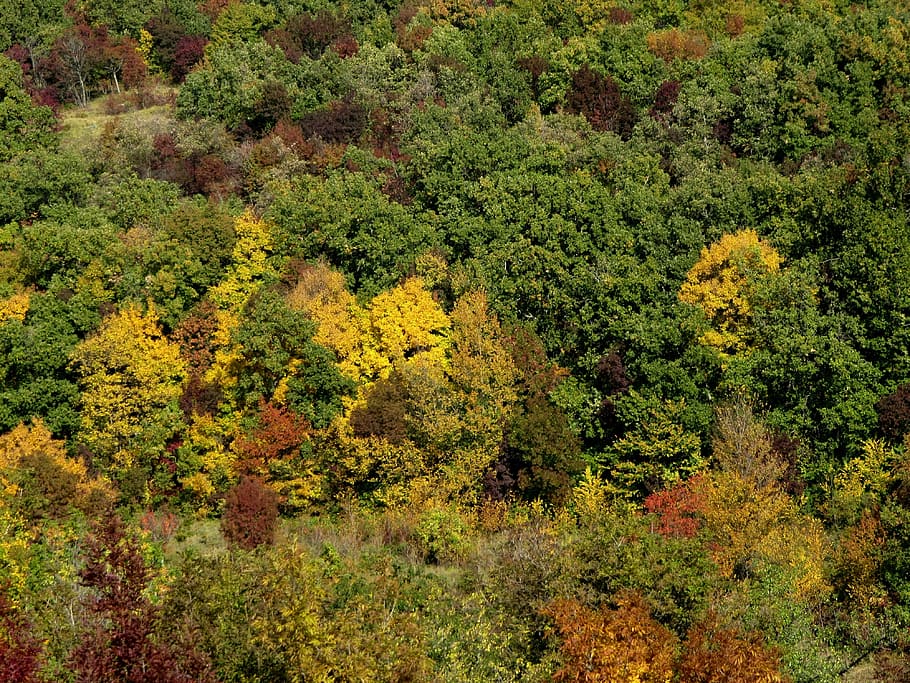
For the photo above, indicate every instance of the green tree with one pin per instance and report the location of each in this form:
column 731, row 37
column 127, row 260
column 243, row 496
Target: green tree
column 24, row 126
column 346, row 219
column 31, row 182
column 275, row 358
column 35, row 380
column 123, row 18
column 230, row 83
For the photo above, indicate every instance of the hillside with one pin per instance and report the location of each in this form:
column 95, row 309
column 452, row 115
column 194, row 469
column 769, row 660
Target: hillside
column 455, row 340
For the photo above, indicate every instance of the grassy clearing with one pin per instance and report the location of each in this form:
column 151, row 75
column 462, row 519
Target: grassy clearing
column 81, row 127
column 201, row 536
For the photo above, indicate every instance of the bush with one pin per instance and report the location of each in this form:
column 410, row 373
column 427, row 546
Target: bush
column 441, row 535
column 250, row 515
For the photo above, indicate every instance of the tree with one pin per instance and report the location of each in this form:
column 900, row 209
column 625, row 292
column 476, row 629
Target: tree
column 75, row 65
column 894, row 413
column 758, row 531
column 250, row 515
column 49, row 483
column 277, row 451
column 721, row 284
column 120, row 642
column 598, row 98
column 656, row 449
column 20, row 649
column 230, row 83
column 622, row 644
column 35, row 380
column 32, row 26
column 30, row 183
column 249, row 269
column 274, row 358
column 131, row 379
column 677, row 508
column 742, row 445
column 715, row 654
column 23, row 125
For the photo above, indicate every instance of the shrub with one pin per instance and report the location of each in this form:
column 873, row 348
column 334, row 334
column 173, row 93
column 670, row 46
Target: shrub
column 441, row 535
column 250, row 515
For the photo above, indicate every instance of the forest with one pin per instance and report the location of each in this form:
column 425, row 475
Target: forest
column 454, row 341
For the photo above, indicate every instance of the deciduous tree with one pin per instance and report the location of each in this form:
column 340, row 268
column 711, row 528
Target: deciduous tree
column 131, row 377
column 720, row 283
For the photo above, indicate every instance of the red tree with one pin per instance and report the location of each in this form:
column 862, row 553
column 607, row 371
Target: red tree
column 20, row 650
column 120, row 643
column 279, row 436
column 677, row 509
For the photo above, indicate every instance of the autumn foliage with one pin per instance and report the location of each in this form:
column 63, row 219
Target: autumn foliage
column 721, row 284
column 278, row 436
column 120, row 642
column 675, row 44
column 20, row 649
column 500, row 340
column 626, row 644
column 622, row 644
column 677, row 508
column 599, row 99
column 713, row 653
column 250, row 514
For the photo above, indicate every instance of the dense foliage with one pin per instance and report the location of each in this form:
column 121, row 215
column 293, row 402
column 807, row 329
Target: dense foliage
column 454, row 340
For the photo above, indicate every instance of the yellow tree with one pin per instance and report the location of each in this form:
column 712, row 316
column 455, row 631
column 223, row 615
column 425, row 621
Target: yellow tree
column 752, row 526
column 46, row 482
column 205, row 461
column 397, row 326
column 131, row 378
column 406, row 324
column 14, row 307
column 721, row 283
column 341, row 323
column 438, row 388
column 249, row 270
column 459, row 408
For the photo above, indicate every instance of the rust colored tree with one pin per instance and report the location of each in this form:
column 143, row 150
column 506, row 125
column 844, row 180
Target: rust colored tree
column 250, row 515
column 623, row 644
column 715, row 654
